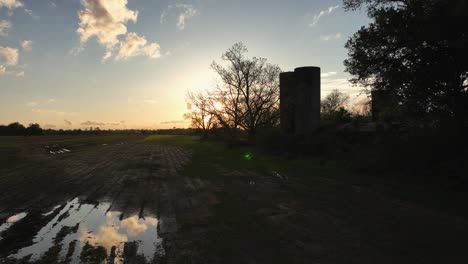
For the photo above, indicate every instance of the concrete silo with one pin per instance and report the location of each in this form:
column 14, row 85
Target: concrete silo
column 300, row 100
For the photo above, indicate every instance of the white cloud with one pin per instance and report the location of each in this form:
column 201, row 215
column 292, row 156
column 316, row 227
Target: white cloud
column 51, row 112
column 105, row 19
column 188, row 11
column 93, row 123
column 162, row 18
column 8, row 56
column 322, row 13
column 4, row 27
column 330, row 37
column 135, row 45
column 26, row 45
column 31, row 104
column 328, row 74
column 30, row 12
column 10, row 4
column 107, row 56
column 342, row 84
column 173, row 122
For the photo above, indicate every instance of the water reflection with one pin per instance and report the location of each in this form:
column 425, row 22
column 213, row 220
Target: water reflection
column 80, row 229
column 10, row 221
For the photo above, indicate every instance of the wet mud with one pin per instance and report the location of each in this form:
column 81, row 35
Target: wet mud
column 106, row 203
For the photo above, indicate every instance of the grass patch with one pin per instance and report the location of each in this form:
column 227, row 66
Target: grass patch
column 211, row 156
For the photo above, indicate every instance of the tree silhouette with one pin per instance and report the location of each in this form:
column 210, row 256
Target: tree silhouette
column 249, row 94
column 415, row 50
column 34, row 130
column 333, row 107
column 200, row 112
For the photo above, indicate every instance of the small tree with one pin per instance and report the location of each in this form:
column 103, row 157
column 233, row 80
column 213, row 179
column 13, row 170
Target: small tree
column 200, row 112
column 333, row 107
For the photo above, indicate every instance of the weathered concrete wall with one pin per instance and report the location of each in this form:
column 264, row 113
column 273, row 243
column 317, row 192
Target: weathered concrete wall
column 300, row 100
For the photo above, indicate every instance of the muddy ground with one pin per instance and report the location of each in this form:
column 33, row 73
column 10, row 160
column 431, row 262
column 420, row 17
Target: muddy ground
column 126, row 201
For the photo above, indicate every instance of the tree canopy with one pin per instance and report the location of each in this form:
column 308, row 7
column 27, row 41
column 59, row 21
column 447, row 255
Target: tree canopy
column 418, row 51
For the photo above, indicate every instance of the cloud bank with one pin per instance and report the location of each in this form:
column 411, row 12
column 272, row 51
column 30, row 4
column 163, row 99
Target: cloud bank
column 10, row 4
column 26, row 45
column 107, row 21
column 8, row 57
column 330, row 37
column 92, row 123
column 4, row 28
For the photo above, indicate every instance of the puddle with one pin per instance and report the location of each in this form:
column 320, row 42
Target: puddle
column 51, row 211
column 54, row 149
column 81, row 231
column 10, row 221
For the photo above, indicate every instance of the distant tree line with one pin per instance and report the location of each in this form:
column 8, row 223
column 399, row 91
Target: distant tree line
column 17, row 129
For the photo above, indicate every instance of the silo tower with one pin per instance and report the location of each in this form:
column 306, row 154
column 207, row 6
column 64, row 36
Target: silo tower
column 300, row 101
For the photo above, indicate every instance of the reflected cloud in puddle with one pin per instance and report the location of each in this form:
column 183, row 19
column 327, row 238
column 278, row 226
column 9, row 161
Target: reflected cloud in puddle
column 10, row 221
column 79, row 225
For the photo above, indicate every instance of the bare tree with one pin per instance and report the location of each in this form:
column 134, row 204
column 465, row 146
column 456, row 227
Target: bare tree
column 249, row 93
column 200, row 112
column 333, row 102
column 333, row 108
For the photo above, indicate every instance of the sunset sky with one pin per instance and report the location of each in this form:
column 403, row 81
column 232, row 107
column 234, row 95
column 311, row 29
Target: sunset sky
column 128, row 64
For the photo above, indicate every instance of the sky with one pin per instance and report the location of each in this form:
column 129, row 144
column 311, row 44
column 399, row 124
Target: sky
column 118, row 64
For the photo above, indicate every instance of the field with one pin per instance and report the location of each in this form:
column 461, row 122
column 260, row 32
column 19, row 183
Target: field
column 176, row 199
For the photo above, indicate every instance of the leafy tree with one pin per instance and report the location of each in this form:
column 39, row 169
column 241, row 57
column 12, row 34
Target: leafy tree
column 34, row 130
column 15, row 129
column 416, row 50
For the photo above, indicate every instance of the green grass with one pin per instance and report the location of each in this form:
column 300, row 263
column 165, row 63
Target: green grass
column 211, row 156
